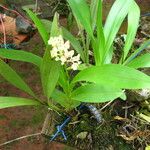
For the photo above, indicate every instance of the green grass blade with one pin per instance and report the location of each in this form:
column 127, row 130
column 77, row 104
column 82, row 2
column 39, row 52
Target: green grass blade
column 12, row 77
column 94, row 93
column 140, row 62
column 133, row 23
column 6, row 102
column 21, row 55
column 113, row 23
column 44, row 34
column 81, row 11
column 113, row 75
column 137, row 52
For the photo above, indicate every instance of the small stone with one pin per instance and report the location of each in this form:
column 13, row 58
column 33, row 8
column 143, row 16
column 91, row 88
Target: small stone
column 139, row 95
column 82, row 135
column 22, row 25
column 145, row 93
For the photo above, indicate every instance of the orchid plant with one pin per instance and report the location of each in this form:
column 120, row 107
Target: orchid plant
column 68, row 78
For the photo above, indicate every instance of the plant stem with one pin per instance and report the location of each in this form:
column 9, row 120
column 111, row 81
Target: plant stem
column 84, row 46
column 53, row 107
column 87, row 48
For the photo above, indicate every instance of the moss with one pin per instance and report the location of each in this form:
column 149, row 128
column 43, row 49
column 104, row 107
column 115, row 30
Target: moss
column 37, row 118
column 2, row 117
column 103, row 136
column 18, row 123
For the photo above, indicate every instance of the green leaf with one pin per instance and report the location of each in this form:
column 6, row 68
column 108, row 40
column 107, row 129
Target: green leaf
column 123, row 96
column 74, row 42
column 81, row 11
column 21, row 55
column 6, row 102
column 100, row 34
column 63, row 80
column 47, row 25
column 62, row 99
column 113, row 23
column 94, row 93
column 53, row 77
column 50, row 69
column 96, row 17
column 55, row 29
column 117, row 76
column 49, row 73
column 133, row 23
column 44, row 34
column 94, row 12
column 137, row 52
column 59, row 97
column 140, row 62
column 12, row 77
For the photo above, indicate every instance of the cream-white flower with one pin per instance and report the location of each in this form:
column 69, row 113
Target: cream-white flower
column 56, row 41
column 60, row 40
column 57, row 58
column 67, row 45
column 74, row 66
column 54, row 52
column 69, row 54
column 63, row 60
column 60, row 52
column 76, row 58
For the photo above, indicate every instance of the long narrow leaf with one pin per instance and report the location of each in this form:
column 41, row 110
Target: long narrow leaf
column 49, row 73
column 55, row 29
column 21, row 55
column 117, row 76
column 94, row 12
column 137, row 52
column 6, row 102
column 12, row 77
column 113, row 23
column 47, row 24
column 100, row 32
column 140, row 62
column 44, row 34
column 96, row 17
column 133, row 23
column 94, row 93
column 63, row 80
column 50, row 69
column 82, row 12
